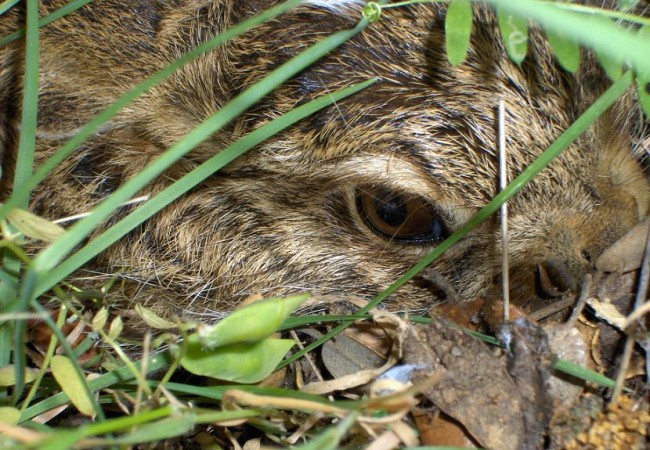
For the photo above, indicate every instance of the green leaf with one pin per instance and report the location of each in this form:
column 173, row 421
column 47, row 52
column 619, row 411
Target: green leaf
column 626, row 5
column 566, row 50
column 514, row 32
column 68, row 378
column 252, row 323
column 8, row 375
column 9, row 415
column 643, row 77
column 153, row 320
column 240, row 363
column 458, row 28
column 116, row 328
column 100, row 319
column 33, row 226
column 612, row 63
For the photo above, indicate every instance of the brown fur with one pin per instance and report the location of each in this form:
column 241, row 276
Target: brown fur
column 283, row 218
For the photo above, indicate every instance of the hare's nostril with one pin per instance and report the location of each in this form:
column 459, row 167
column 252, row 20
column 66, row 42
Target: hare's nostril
column 554, row 278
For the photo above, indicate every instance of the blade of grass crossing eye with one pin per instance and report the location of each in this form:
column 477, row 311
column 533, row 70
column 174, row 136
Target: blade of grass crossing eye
column 576, row 129
column 514, row 32
column 61, row 12
column 91, row 127
column 54, row 253
column 643, row 77
column 189, row 181
column 567, row 51
column 458, row 29
column 7, row 5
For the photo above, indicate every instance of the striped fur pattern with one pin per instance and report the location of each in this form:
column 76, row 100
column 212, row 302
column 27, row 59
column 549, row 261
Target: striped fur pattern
column 284, row 218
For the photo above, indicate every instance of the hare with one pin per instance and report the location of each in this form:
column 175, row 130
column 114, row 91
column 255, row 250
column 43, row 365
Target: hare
column 351, row 197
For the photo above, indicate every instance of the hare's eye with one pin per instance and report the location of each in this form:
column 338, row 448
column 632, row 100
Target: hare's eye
column 399, row 217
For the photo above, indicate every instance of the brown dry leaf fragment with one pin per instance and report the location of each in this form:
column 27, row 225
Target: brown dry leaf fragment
column 619, row 292
column 353, row 351
column 568, row 344
column 529, row 361
column 464, row 314
column 626, row 253
column 436, row 429
column 475, row 388
column 607, row 312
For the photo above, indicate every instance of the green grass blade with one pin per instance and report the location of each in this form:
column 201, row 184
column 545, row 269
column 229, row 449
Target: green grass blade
column 7, row 5
column 26, row 143
column 583, row 373
column 19, row 197
column 643, row 77
column 188, row 182
column 24, row 164
column 154, row 363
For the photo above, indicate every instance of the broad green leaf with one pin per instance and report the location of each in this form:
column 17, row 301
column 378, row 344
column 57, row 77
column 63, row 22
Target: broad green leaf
column 9, row 415
column 100, row 319
column 626, row 5
column 67, row 377
column 458, row 28
column 514, row 32
column 8, row 375
column 252, row 323
column 33, row 226
column 116, row 328
column 567, row 51
column 643, row 77
column 612, row 63
column 240, row 363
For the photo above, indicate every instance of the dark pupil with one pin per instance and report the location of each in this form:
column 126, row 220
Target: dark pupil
column 391, row 210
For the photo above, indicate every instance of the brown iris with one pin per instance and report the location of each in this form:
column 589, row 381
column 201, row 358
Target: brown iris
column 400, row 217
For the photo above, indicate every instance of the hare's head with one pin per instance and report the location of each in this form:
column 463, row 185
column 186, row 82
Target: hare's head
column 351, row 197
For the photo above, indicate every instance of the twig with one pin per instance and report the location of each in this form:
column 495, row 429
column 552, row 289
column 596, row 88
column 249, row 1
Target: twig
column 503, row 182
column 641, row 294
